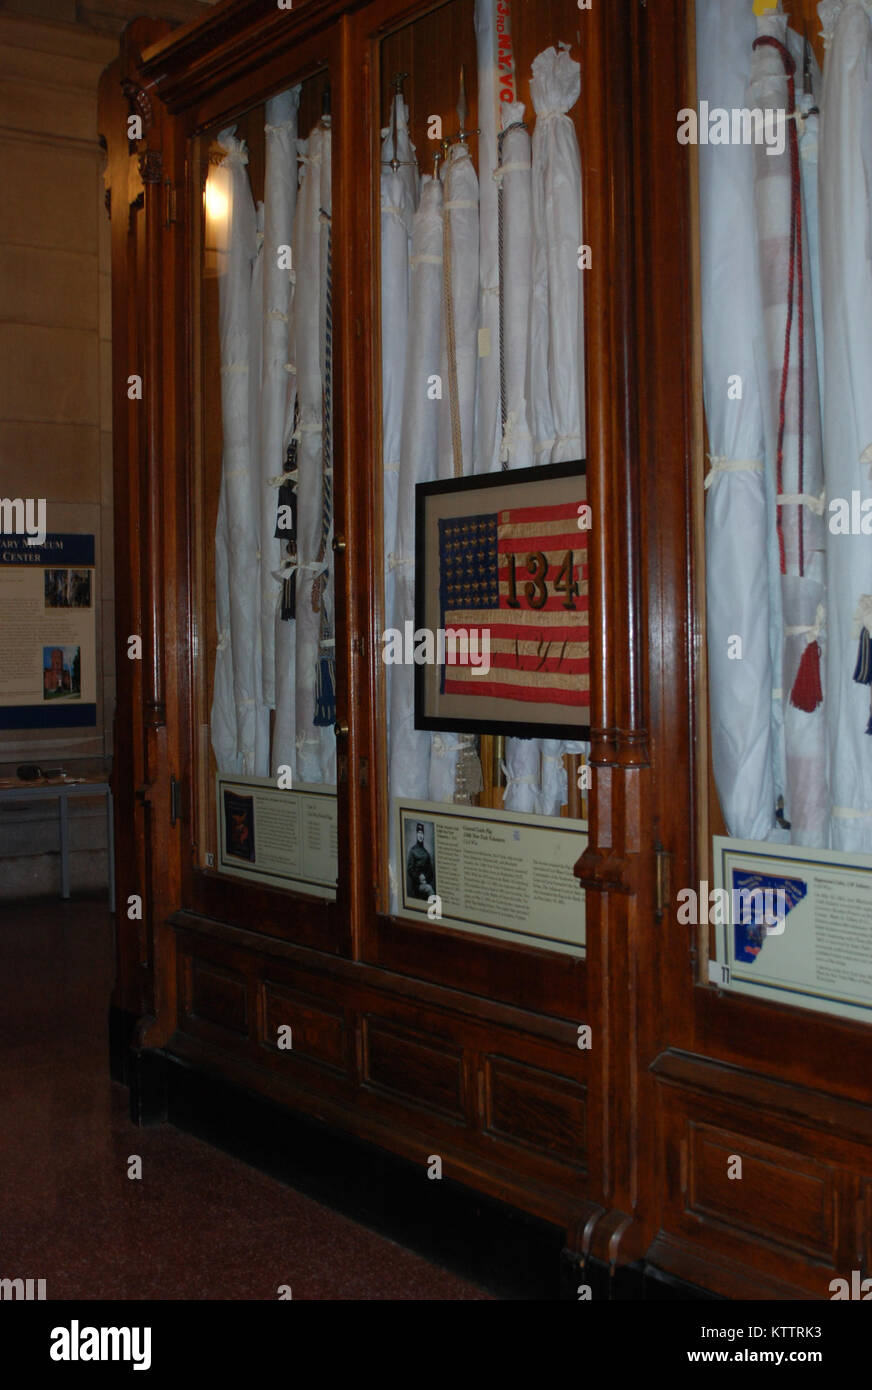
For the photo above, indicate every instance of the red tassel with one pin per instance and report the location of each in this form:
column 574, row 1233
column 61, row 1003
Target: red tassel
column 807, row 693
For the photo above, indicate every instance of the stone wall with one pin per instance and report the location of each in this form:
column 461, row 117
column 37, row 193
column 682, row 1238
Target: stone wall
column 55, row 365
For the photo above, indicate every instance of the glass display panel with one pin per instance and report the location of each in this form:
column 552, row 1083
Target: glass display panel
column 264, row 639
column 785, row 309
column 482, row 371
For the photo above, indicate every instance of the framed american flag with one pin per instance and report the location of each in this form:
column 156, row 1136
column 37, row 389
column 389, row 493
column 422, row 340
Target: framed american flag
column 501, row 642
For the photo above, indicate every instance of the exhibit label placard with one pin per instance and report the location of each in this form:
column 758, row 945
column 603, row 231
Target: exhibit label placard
column 494, row 873
column 48, row 676
column 816, row 949
column 286, row 837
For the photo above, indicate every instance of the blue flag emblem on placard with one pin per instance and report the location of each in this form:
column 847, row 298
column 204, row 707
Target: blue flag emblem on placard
column 761, row 904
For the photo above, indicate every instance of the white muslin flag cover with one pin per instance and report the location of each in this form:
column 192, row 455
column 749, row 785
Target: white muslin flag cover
column 460, row 369
column 308, row 359
column 255, row 372
column 278, row 394
column 558, row 297
column 277, row 383
column 409, row 760
column 488, row 429
column 801, row 485
column 234, row 711
column 515, row 175
column 459, row 372
column 737, row 584
column 522, row 768
column 845, row 174
column 399, row 199
column 556, row 338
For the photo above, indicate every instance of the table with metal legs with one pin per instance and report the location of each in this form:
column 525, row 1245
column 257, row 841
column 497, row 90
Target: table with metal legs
column 24, row 791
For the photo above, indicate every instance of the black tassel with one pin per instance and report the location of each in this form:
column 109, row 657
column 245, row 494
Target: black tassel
column 863, row 669
column 325, row 693
column 289, row 597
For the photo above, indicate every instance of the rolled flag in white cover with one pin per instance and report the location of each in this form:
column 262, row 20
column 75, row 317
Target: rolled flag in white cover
column 557, row 313
column 459, row 314
column 261, row 728
column 277, row 382
column 308, row 358
column 556, row 336
column 236, row 537
column 515, row 176
column 409, row 760
column 459, row 371
column 737, row 584
column 496, row 84
column 523, row 756
column 279, row 392
column 793, row 430
column 399, row 199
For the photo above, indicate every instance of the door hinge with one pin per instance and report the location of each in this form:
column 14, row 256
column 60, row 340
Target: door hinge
column 175, row 801
column 663, row 865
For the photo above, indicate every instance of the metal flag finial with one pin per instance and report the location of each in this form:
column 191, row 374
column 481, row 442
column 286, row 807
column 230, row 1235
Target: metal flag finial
column 461, row 101
column 396, row 163
column 462, row 110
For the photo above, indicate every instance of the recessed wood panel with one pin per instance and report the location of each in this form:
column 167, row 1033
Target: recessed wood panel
column 218, row 996
column 317, row 1034
column 535, row 1109
column 781, row 1195
column 413, row 1067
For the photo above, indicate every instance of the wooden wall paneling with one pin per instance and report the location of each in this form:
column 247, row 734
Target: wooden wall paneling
column 794, row 1214
column 424, row 1070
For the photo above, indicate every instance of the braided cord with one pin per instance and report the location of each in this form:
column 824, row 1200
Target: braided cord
column 448, row 302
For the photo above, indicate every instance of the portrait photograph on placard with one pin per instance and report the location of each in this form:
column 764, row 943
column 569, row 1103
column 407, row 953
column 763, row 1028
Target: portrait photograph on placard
column 420, row 859
column 501, row 608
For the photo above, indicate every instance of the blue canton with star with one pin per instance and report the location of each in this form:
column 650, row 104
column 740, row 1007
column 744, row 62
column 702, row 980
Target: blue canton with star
column 468, row 563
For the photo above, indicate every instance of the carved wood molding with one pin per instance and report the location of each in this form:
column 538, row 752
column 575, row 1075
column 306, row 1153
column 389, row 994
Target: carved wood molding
column 618, row 1239
column 605, row 871
column 139, row 102
column 151, row 166
column 797, row 1104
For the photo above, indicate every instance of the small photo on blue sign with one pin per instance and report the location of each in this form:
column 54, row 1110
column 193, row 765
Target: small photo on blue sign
column 61, row 673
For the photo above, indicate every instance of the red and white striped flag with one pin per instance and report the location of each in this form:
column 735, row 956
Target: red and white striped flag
column 520, row 575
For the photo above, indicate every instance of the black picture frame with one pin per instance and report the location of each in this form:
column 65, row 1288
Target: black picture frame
column 533, row 487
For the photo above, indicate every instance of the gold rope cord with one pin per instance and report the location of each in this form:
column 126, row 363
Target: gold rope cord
column 453, row 403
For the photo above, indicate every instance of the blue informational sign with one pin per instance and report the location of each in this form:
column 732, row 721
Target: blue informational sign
column 48, row 643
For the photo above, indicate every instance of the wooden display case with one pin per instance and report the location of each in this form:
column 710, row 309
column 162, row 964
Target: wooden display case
column 413, row 1036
